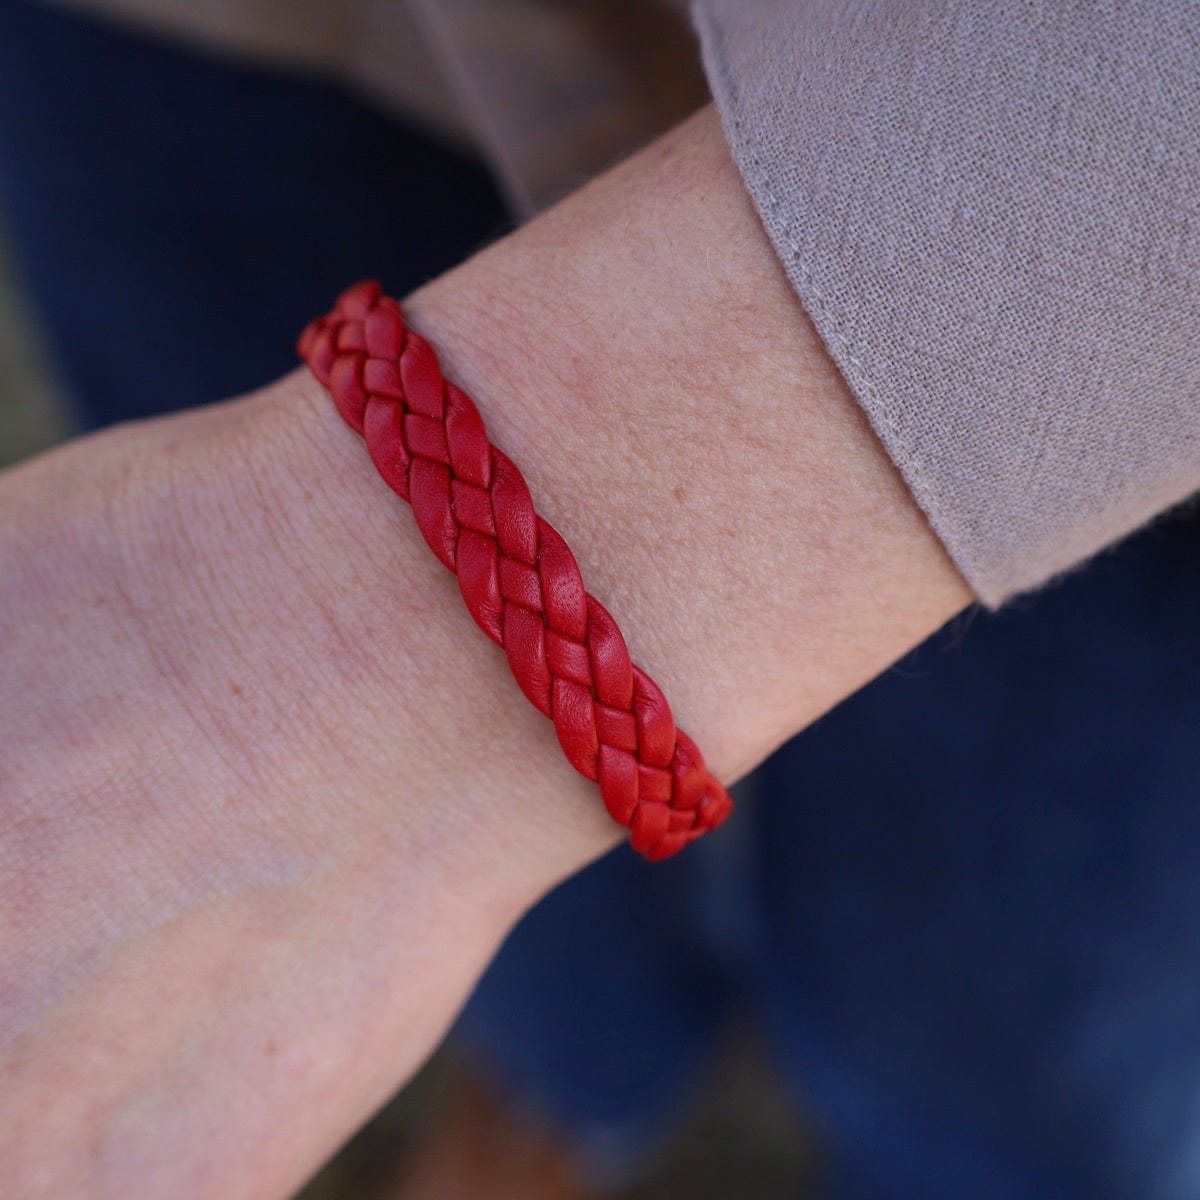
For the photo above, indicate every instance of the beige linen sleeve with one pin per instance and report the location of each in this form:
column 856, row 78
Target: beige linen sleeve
column 992, row 214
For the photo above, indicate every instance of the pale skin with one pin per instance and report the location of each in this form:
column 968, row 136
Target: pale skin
column 269, row 800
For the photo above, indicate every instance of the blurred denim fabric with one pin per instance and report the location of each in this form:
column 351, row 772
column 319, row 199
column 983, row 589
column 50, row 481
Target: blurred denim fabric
column 177, row 219
column 965, row 906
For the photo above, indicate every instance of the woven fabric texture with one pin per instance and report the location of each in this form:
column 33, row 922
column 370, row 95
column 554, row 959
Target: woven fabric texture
column 991, row 211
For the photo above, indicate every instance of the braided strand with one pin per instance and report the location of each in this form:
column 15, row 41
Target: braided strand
column 518, row 577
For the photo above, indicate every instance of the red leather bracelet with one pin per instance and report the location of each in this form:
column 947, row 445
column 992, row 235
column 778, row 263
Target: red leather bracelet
column 519, row 579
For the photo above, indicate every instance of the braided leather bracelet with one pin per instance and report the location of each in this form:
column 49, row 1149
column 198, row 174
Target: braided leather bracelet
column 517, row 575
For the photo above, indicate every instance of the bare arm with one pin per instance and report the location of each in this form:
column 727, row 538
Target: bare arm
column 268, row 800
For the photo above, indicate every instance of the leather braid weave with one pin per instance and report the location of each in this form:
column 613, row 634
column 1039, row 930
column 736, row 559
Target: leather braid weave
column 519, row 580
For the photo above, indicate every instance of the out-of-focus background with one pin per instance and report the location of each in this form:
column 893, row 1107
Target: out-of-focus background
column 32, row 416
column 740, row 1139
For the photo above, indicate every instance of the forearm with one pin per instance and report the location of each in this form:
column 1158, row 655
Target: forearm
column 270, row 799
column 639, row 352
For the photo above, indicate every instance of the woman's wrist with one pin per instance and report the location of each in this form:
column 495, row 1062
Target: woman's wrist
column 270, row 798
column 695, row 445
column 720, row 486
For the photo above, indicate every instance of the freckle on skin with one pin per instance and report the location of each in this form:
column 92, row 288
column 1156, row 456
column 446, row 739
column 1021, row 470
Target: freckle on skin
column 237, row 689
column 678, row 494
